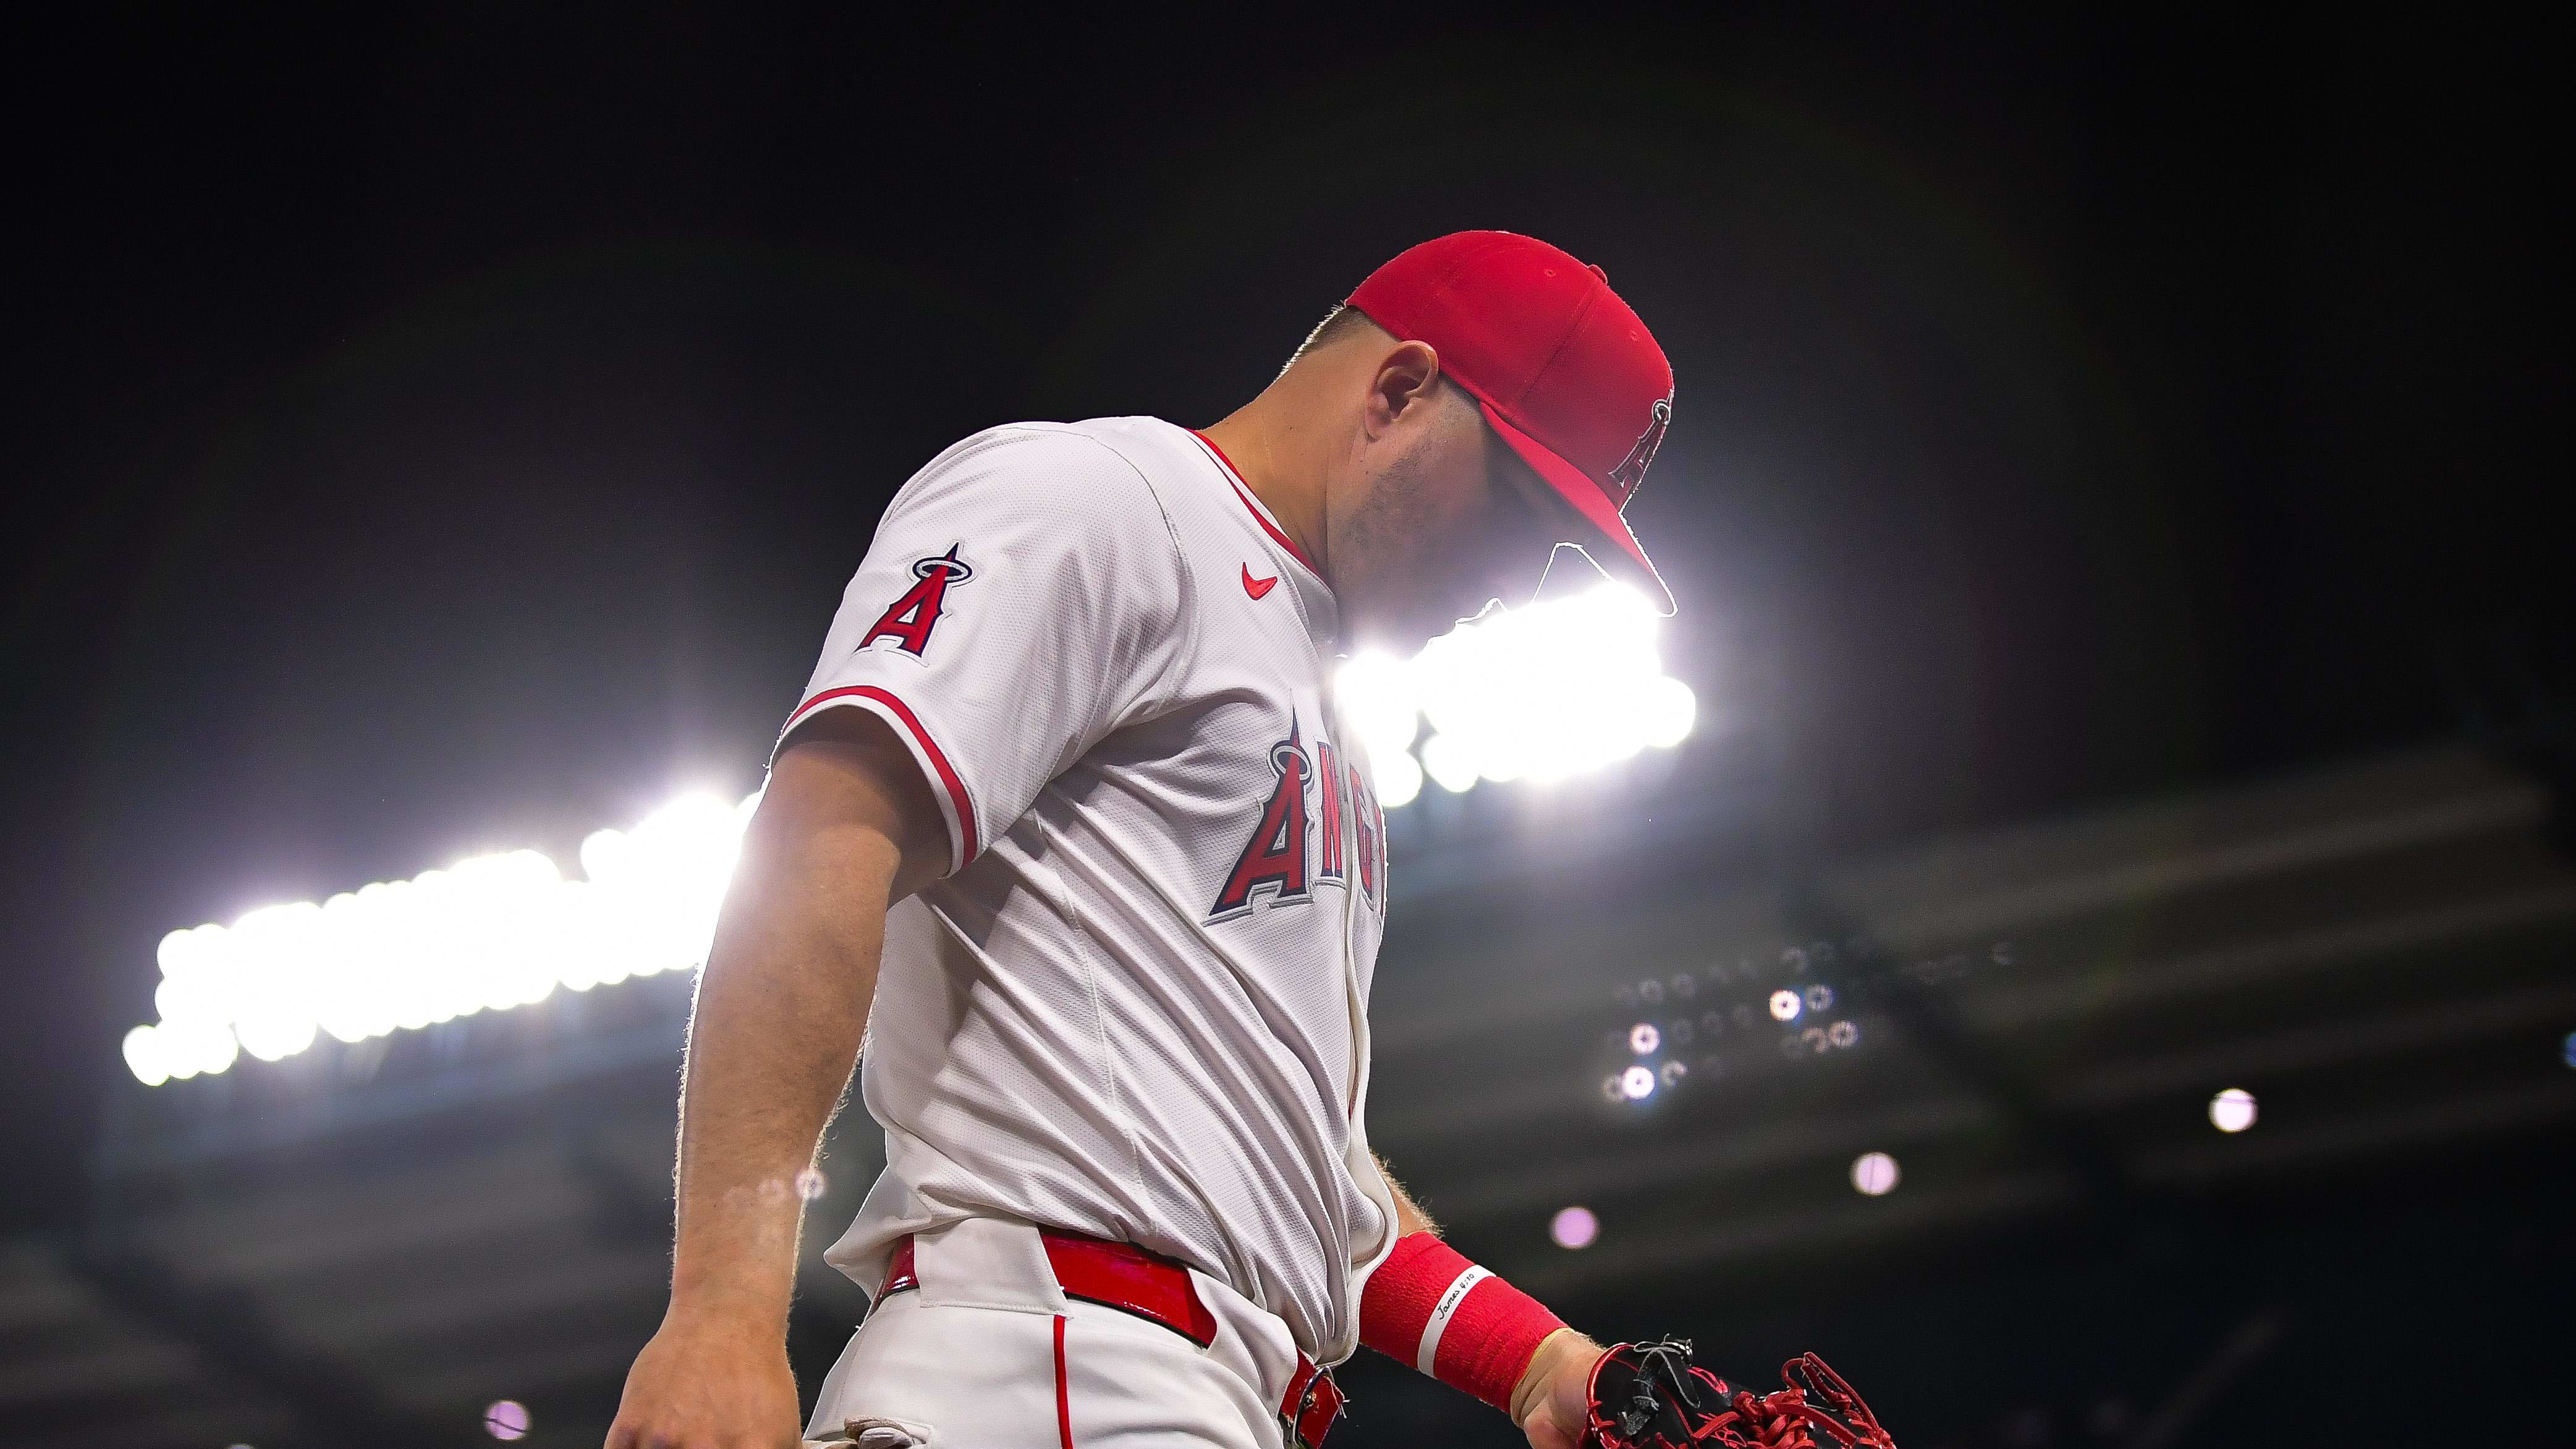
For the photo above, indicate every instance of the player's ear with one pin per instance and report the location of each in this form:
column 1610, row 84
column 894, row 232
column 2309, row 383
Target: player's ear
column 1406, row 385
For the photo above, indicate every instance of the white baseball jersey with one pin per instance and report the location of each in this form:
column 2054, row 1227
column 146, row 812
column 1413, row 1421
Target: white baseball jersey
column 1137, row 1005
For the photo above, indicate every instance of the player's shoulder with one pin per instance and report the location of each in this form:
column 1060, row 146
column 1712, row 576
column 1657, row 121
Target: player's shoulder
column 1031, row 452
column 1152, row 446
column 1097, row 474
column 1059, row 473
column 1087, row 500
column 1182, row 468
column 1157, row 454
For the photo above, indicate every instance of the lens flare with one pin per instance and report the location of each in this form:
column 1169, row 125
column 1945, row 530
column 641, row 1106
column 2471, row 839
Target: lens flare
column 1574, row 1228
column 2232, row 1110
column 506, row 1419
column 1874, row 1174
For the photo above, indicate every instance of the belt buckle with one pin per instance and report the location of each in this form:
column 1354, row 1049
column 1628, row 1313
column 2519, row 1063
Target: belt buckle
column 1319, row 1407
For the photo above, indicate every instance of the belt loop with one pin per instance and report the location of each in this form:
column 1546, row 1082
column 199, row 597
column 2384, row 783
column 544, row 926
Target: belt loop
column 987, row 1262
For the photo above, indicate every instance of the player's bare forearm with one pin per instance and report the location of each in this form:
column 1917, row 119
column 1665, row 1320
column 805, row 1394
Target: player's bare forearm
column 784, row 1001
column 1547, row 1401
column 846, row 828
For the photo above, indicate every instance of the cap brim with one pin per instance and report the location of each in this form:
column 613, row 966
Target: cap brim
column 1623, row 557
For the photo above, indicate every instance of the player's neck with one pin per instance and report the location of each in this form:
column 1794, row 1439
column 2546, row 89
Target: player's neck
column 1282, row 465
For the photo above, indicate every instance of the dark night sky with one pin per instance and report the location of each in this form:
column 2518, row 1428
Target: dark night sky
column 431, row 434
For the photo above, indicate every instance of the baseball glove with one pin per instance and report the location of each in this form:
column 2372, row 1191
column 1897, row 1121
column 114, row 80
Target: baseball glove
column 1651, row 1396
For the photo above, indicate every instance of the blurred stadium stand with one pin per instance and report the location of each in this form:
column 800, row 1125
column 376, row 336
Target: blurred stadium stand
column 369, row 1244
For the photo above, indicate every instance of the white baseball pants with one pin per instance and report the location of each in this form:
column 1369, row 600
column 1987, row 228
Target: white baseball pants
column 988, row 1353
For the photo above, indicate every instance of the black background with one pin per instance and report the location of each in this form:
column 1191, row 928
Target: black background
column 439, row 432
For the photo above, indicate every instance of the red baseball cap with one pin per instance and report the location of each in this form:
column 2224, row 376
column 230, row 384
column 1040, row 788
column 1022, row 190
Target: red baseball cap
column 1564, row 371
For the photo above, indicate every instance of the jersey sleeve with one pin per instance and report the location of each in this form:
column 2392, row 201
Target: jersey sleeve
column 1023, row 598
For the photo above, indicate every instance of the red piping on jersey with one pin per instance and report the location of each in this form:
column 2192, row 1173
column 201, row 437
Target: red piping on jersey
column 1243, row 491
column 1063, row 1392
column 938, row 758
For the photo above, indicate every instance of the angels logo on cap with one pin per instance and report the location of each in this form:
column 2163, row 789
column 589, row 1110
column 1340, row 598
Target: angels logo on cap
column 1630, row 475
column 1560, row 366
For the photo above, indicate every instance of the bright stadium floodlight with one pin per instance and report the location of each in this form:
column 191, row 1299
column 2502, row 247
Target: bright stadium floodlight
column 1444, row 760
column 486, row 934
column 1378, row 695
column 1555, row 689
column 1399, row 779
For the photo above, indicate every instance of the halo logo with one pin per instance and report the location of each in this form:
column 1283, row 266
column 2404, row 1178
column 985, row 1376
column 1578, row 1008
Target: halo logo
column 1630, row 475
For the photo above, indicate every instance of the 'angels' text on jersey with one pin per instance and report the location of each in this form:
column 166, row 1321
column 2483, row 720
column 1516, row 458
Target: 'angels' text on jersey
column 1276, row 858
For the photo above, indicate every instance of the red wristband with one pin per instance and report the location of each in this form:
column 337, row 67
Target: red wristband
column 1428, row 1306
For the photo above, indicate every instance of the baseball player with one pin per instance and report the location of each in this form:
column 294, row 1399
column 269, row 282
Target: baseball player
column 1069, row 826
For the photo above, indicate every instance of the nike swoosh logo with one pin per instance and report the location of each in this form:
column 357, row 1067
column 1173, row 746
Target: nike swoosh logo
column 1258, row 587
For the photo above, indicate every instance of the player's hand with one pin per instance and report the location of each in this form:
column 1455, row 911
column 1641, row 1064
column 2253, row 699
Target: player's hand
column 1554, row 1398
column 709, row 1382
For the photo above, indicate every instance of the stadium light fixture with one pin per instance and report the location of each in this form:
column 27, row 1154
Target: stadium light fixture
column 1555, row 689
column 487, row 934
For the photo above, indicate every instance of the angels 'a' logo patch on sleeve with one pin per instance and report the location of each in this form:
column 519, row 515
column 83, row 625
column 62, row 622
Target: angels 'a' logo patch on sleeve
column 909, row 619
